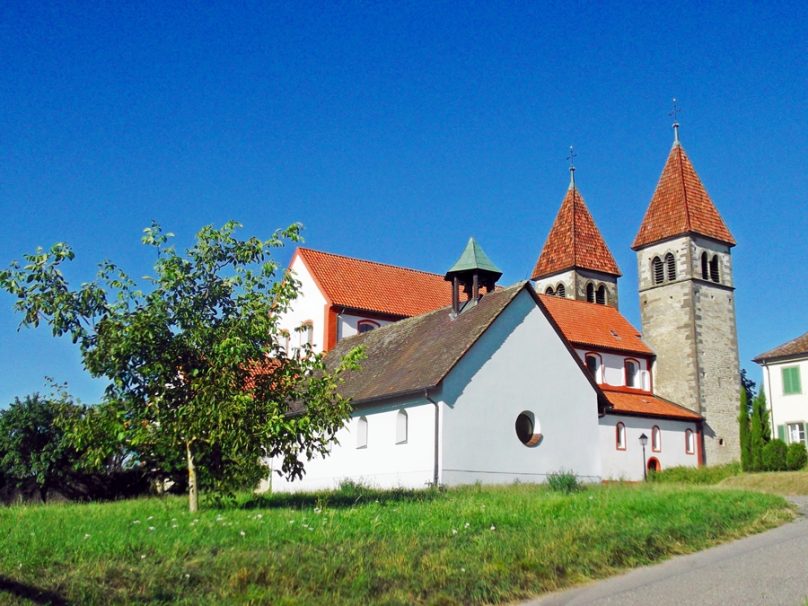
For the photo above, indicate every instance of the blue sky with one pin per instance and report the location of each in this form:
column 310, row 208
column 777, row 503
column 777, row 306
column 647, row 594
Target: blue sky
column 393, row 131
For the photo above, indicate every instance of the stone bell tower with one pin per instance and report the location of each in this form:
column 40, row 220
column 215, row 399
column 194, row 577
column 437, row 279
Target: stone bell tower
column 687, row 303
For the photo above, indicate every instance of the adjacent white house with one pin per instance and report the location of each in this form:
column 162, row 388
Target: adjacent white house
column 785, row 372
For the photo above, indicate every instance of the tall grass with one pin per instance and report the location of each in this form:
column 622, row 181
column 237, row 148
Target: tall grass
column 472, row 545
column 696, row 475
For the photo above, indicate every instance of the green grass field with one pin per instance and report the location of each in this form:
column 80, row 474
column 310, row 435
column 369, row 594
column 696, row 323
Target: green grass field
column 462, row 546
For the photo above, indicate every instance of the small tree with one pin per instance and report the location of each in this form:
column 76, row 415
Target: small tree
column 743, row 423
column 195, row 364
column 33, row 446
column 756, row 438
column 773, row 456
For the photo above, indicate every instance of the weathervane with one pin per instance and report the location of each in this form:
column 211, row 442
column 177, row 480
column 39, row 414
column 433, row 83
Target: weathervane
column 675, row 113
column 571, row 157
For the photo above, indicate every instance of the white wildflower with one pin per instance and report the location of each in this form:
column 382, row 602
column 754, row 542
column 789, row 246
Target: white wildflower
column 151, row 528
column 86, row 536
column 493, row 527
column 150, row 518
column 143, row 556
column 242, row 533
column 173, row 525
column 136, row 522
column 466, row 525
column 462, row 570
column 454, row 531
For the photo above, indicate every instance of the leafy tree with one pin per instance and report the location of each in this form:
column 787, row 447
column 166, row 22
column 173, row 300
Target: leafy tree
column 745, row 437
column 773, row 456
column 33, row 445
column 748, row 386
column 196, row 368
column 796, row 456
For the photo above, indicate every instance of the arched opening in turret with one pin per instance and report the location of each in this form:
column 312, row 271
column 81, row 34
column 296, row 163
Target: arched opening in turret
column 561, row 291
column 705, row 272
column 670, row 262
column 590, row 292
column 657, row 271
column 549, row 291
column 600, row 295
column 714, row 269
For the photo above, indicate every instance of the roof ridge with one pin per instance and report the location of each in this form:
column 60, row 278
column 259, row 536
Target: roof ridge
column 681, row 150
column 402, row 267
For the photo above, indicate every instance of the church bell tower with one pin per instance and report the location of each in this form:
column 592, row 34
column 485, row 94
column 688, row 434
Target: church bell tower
column 687, row 303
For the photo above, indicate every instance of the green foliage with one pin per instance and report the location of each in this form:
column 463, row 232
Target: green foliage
column 756, row 440
column 33, row 446
column 796, row 456
column 696, row 475
column 744, row 431
column 564, row 481
column 462, row 546
column 773, row 456
column 197, row 372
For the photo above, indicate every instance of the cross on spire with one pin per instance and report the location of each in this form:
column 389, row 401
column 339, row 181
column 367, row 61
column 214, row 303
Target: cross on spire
column 675, row 114
column 571, row 157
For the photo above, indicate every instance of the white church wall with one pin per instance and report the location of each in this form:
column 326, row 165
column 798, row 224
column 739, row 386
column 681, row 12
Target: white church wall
column 383, row 462
column 519, row 364
column 348, row 324
column 613, row 368
column 309, row 306
column 628, row 464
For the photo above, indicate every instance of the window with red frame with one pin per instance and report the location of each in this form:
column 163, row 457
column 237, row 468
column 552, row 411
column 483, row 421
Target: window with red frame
column 632, row 368
column 690, row 442
column 366, row 326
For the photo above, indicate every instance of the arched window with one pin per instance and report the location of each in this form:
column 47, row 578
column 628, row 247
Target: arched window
column 670, row 262
column 307, row 333
column 656, row 439
column 362, row 433
column 657, row 270
column 401, row 427
column 549, row 291
column 366, row 326
column 600, row 295
column 620, row 436
column 285, row 341
column 714, row 268
column 590, row 292
column 690, row 442
column 632, row 368
column 705, row 272
column 561, row 291
column 593, row 364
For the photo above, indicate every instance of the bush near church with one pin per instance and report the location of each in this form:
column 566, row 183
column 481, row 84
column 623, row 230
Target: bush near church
column 773, row 456
column 796, row 456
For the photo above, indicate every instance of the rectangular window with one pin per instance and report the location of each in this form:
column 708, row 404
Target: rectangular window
column 796, row 433
column 791, row 380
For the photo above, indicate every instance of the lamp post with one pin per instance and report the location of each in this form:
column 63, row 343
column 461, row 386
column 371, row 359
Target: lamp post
column 644, row 442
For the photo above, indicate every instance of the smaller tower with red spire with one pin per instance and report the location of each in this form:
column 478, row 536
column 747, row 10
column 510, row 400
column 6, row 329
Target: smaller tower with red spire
column 575, row 262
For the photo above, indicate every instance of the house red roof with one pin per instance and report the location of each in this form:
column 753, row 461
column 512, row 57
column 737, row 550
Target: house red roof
column 574, row 241
column 592, row 325
column 680, row 205
column 636, row 402
column 376, row 287
column 795, row 347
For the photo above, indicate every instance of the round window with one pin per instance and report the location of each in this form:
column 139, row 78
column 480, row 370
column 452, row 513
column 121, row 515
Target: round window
column 527, row 429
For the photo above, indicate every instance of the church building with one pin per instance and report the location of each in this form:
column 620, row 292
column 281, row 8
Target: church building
column 467, row 381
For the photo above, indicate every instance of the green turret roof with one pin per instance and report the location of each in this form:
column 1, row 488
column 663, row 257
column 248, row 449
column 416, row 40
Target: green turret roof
column 474, row 257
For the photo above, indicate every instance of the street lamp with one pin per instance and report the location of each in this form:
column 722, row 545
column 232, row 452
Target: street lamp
column 644, row 442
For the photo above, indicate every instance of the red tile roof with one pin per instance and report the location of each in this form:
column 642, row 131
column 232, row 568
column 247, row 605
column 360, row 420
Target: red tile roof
column 574, row 241
column 642, row 403
column 680, row 205
column 592, row 325
column 795, row 347
column 376, row 287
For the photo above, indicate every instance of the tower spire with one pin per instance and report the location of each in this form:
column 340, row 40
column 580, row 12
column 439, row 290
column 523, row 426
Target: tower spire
column 571, row 157
column 675, row 113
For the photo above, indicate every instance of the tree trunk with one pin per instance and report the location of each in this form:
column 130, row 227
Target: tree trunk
column 193, row 490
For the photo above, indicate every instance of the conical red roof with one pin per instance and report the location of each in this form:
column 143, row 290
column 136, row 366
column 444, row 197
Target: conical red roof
column 574, row 242
column 680, row 205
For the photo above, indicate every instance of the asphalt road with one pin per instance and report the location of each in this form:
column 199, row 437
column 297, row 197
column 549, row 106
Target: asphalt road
column 769, row 568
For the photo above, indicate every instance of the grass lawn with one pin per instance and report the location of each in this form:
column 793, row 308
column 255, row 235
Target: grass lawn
column 463, row 546
column 776, row 482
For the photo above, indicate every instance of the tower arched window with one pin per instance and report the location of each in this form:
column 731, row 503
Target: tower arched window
column 549, row 291
column 561, row 291
column 657, row 270
column 714, row 268
column 670, row 262
column 401, row 427
column 600, row 295
column 656, row 439
column 705, row 272
column 590, row 292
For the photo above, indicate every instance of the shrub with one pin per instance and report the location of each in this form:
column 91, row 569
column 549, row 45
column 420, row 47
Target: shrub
column 696, row 475
column 564, row 481
column 796, row 456
column 773, row 456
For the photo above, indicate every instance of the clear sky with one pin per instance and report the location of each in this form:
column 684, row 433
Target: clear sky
column 394, row 131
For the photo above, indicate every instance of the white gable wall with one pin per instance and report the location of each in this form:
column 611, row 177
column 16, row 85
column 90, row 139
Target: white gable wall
column 519, row 364
column 309, row 306
column 348, row 324
column 628, row 464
